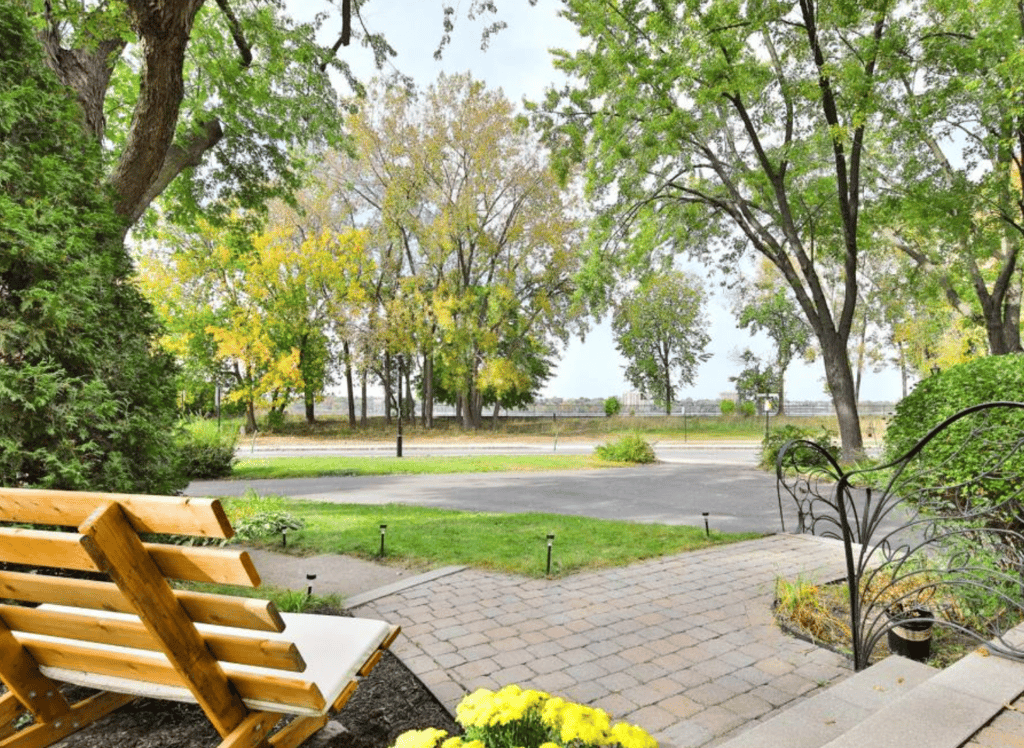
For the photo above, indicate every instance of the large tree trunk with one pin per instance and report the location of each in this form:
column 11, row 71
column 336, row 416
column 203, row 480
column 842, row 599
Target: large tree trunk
column 839, row 375
column 150, row 159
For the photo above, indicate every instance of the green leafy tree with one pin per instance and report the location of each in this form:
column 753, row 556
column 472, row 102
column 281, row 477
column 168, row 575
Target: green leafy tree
column 766, row 304
column 660, row 329
column 955, row 168
column 720, row 127
column 756, row 378
column 256, row 309
column 209, row 103
column 84, row 401
column 476, row 243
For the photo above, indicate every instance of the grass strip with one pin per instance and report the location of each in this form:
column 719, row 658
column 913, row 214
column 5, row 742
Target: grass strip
column 513, row 543
column 319, row 466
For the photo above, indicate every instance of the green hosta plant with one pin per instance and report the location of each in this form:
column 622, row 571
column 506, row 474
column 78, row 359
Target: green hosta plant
column 256, row 517
column 514, row 718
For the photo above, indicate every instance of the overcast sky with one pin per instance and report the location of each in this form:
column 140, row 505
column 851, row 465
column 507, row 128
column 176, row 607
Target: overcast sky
column 518, row 62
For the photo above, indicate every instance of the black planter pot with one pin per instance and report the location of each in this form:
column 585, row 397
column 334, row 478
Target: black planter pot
column 911, row 634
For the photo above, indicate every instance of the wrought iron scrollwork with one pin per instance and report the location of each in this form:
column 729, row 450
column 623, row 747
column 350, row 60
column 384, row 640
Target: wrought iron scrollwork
column 940, row 527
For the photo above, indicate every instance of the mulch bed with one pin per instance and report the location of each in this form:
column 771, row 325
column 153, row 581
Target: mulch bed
column 388, row 702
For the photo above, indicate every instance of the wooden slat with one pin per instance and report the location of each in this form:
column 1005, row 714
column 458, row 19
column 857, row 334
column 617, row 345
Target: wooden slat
column 116, row 549
column 146, row 668
column 253, row 731
column 20, row 673
column 193, row 563
column 10, row 710
column 370, row 664
column 276, row 654
column 58, row 550
column 222, row 610
column 177, row 515
column 204, row 564
column 395, row 631
column 83, row 713
column 345, row 695
column 297, row 731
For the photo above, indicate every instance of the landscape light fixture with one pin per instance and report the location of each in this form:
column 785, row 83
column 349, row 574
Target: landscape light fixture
column 284, row 538
column 707, row 527
column 309, row 588
column 551, row 543
column 383, row 529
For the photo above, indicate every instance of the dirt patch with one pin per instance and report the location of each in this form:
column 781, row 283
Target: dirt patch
column 388, row 702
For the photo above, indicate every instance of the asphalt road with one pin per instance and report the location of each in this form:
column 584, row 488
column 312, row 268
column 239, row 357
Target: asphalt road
column 725, row 483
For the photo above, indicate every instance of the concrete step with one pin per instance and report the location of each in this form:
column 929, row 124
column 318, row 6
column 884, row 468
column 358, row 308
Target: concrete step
column 898, row 702
column 821, row 719
column 944, row 711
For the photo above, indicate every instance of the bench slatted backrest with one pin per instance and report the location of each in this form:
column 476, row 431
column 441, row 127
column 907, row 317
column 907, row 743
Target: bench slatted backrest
column 105, row 539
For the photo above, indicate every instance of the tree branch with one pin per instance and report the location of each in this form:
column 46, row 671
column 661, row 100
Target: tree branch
column 346, row 33
column 86, row 70
column 236, row 32
column 178, row 159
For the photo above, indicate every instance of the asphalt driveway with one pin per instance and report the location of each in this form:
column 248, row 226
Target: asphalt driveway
column 738, row 497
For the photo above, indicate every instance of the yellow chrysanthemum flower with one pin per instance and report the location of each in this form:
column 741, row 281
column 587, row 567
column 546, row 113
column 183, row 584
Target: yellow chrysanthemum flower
column 552, row 711
column 420, row 738
column 475, row 709
column 631, row 736
column 589, row 726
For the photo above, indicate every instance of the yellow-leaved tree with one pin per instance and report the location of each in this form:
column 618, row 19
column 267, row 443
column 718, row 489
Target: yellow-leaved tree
column 256, row 310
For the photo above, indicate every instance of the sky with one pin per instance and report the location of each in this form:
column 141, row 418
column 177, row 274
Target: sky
column 518, row 62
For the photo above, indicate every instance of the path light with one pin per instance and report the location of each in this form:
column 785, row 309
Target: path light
column 707, row 528
column 383, row 529
column 309, row 589
column 284, row 538
column 551, row 542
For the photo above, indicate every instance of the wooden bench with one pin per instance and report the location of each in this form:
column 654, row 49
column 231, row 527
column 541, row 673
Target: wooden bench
column 246, row 664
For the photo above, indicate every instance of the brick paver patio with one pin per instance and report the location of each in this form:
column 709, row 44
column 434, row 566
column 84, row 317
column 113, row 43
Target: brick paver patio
column 683, row 646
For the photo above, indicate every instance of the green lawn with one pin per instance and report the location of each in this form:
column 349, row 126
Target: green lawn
column 514, row 543
column 310, row 467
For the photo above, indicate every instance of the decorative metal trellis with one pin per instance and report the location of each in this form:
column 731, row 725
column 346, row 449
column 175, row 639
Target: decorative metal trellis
column 937, row 532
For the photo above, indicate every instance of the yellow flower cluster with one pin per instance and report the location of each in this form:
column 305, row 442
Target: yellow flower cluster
column 484, row 708
column 517, row 718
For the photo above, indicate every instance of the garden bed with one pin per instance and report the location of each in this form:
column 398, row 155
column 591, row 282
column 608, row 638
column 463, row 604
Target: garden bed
column 388, row 702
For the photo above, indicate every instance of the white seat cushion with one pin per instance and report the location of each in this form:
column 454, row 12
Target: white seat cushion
column 333, row 647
